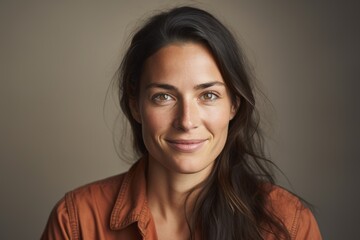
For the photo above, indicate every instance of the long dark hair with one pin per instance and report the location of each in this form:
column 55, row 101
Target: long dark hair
column 232, row 201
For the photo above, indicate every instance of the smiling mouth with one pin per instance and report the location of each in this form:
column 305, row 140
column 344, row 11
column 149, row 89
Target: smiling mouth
column 186, row 146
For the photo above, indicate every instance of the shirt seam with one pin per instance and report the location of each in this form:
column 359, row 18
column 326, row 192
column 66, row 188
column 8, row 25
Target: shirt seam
column 295, row 223
column 73, row 218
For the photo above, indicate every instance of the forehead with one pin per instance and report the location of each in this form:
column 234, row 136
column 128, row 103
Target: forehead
column 181, row 63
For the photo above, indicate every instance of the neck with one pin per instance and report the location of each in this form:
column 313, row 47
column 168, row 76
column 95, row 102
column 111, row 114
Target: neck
column 168, row 192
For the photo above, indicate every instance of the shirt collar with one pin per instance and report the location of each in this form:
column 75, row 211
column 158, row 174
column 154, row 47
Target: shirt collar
column 131, row 204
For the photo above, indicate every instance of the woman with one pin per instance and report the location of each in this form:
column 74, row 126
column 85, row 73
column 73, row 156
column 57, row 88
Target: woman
column 202, row 174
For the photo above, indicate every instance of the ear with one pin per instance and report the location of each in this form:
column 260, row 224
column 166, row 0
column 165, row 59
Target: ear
column 134, row 107
column 234, row 108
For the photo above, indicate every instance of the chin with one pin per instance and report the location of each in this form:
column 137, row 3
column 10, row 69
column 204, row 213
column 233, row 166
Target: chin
column 191, row 166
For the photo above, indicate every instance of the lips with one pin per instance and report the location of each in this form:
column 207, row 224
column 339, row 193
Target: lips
column 187, row 146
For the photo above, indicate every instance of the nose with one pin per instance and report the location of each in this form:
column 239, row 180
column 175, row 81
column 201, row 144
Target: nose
column 187, row 115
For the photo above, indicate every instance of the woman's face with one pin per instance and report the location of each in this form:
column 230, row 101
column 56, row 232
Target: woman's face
column 184, row 108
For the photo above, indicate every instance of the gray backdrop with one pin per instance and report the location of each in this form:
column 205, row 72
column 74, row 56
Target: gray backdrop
column 57, row 59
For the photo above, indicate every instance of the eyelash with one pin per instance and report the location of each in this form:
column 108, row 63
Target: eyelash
column 157, row 97
column 213, row 97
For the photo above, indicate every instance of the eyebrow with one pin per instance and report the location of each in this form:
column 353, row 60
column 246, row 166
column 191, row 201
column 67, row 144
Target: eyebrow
column 171, row 87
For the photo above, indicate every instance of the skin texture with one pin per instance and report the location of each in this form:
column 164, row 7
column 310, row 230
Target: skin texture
column 184, row 120
column 184, row 108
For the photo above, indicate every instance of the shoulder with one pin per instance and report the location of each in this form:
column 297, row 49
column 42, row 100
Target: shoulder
column 109, row 185
column 100, row 190
column 83, row 205
column 280, row 199
column 290, row 210
column 99, row 195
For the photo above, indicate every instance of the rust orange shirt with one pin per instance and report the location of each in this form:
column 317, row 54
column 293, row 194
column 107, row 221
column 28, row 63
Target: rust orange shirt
column 116, row 208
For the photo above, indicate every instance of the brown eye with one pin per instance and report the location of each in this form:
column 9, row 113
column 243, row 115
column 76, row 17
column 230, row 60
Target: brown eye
column 162, row 97
column 209, row 96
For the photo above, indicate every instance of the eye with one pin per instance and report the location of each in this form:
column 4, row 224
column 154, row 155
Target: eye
column 209, row 96
column 162, row 97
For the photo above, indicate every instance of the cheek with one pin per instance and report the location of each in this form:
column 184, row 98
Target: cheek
column 218, row 118
column 154, row 122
